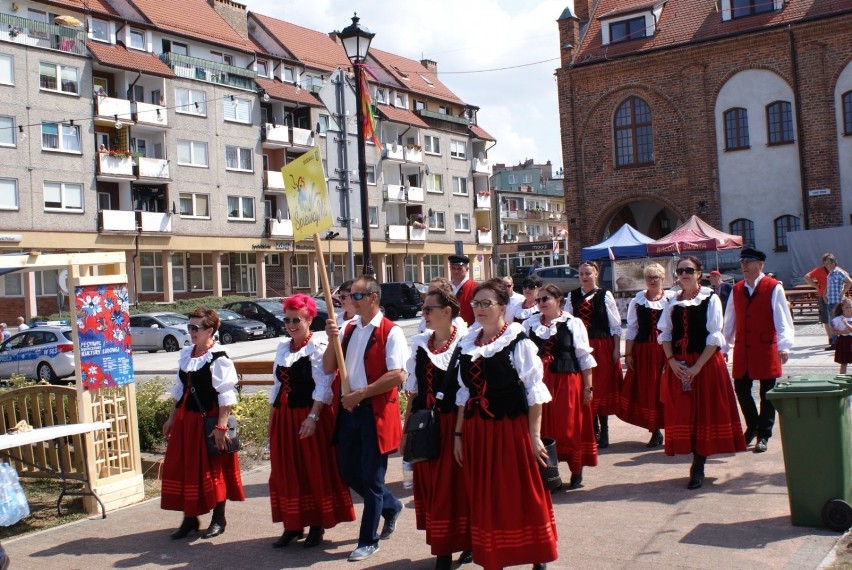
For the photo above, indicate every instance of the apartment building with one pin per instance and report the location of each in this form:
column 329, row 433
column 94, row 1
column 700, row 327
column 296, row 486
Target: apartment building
column 159, row 129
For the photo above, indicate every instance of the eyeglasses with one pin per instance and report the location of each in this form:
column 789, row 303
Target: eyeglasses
column 196, row 328
column 687, row 270
column 544, row 299
column 486, row 304
column 427, row 309
column 358, row 296
column 293, row 321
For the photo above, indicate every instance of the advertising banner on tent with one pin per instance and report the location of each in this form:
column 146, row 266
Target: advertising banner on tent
column 630, row 273
column 307, row 195
column 103, row 325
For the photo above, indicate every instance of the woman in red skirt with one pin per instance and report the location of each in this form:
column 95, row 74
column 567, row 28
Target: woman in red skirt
column 640, row 393
column 440, row 495
column 498, row 441
column 305, row 488
column 701, row 415
column 598, row 311
column 568, row 362
column 193, row 481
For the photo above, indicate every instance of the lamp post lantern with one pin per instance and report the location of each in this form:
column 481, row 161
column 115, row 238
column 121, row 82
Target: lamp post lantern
column 356, row 42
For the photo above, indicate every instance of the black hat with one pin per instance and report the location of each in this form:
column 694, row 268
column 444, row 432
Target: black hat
column 459, row 260
column 751, row 253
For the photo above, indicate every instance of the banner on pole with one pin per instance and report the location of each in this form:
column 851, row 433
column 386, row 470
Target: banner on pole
column 307, row 195
column 103, row 325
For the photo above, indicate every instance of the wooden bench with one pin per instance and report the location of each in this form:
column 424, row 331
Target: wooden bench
column 253, row 368
column 803, row 302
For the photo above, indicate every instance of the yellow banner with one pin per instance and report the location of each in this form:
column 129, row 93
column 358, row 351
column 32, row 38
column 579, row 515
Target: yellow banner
column 307, row 195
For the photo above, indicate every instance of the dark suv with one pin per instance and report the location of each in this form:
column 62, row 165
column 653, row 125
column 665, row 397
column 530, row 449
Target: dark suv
column 400, row 299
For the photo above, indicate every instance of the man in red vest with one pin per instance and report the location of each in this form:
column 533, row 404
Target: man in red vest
column 463, row 286
column 759, row 325
column 369, row 427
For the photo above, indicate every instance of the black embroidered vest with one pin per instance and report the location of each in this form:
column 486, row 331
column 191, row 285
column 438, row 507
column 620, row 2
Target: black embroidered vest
column 558, row 356
column 695, row 331
column 496, row 390
column 439, row 382
column 598, row 326
column 298, row 382
column 202, row 381
column 648, row 319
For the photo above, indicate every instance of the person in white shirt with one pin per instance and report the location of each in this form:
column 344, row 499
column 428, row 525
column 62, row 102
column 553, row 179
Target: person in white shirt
column 515, row 299
column 22, row 325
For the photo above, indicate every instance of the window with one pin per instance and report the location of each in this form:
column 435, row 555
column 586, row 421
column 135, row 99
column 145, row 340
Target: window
column 371, row 174
column 626, row 30
column 194, row 205
column 238, row 110
column 745, row 229
column 100, row 30
column 736, row 129
column 192, row 153
column 201, row 271
column 46, row 282
column 403, row 74
column 374, row 216
column 433, row 266
column 634, row 143
column 436, row 222
column 221, row 57
column 137, row 40
column 459, row 186
column 462, row 222
column 426, row 79
column 847, row 112
column 458, row 149
column 526, row 178
column 7, row 69
column 240, row 208
column 311, row 82
column 381, row 95
column 442, row 110
column 104, row 201
column 419, row 105
column 237, row 158
column 178, row 271
column 60, row 78
column 783, row 225
column 176, row 47
column 137, row 93
column 7, row 131
column 151, row 271
column 288, row 74
column 401, row 100
column 262, row 68
column 327, row 123
column 435, row 183
column 740, row 8
column 8, row 194
column 62, row 196
column 191, row 101
column 57, row 136
column 431, row 144
column 779, row 121
column 511, row 179
column 301, row 271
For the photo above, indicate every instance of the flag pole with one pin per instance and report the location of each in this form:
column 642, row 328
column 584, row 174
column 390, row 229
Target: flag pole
column 335, row 342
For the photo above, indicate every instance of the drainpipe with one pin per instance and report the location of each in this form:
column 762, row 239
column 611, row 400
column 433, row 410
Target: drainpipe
column 797, row 97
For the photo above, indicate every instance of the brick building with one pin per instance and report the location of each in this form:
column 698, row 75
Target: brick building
column 739, row 111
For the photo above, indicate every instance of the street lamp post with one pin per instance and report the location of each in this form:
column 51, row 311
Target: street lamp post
column 330, row 264
column 356, row 42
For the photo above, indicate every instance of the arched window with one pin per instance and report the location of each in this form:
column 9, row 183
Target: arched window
column 847, row 113
column 744, row 228
column 736, row 129
column 779, row 122
column 634, row 143
column 783, row 225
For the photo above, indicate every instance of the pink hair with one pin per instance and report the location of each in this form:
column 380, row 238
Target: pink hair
column 301, row 302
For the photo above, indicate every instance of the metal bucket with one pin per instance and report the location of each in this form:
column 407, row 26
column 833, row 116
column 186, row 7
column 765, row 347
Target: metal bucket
column 550, row 473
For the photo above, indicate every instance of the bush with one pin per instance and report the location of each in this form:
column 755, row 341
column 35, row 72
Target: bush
column 153, row 406
column 252, row 412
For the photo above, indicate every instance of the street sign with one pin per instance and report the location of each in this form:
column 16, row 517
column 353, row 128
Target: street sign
column 328, row 96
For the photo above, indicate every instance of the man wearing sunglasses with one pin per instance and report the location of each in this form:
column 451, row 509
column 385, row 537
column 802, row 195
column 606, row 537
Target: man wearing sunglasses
column 369, row 427
column 463, row 286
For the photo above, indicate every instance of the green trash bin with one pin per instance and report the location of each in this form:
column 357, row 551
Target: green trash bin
column 815, row 432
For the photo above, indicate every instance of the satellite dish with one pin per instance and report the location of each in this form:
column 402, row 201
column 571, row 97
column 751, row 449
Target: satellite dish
column 62, row 280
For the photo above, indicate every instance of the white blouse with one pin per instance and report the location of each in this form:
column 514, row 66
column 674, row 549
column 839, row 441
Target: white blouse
column 314, row 350
column 613, row 316
column 522, row 313
column 582, row 348
column 441, row 360
column 524, row 359
column 223, row 372
column 714, row 318
column 514, row 306
column 458, row 322
column 641, row 299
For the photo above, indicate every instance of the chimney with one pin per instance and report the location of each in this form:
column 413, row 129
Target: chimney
column 432, row 66
column 569, row 31
column 233, row 13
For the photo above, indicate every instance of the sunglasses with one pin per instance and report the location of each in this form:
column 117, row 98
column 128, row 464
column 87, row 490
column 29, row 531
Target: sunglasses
column 293, row 321
column 530, row 288
column 544, row 299
column 687, row 270
column 358, row 296
column 427, row 309
column 196, row 328
column 652, row 278
column 486, row 304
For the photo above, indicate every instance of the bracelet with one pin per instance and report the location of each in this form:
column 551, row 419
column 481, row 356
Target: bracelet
column 589, row 388
column 457, row 433
column 313, row 416
column 220, row 428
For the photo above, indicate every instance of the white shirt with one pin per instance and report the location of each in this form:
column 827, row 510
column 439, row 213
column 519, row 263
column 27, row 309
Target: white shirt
column 457, row 287
column 714, row 318
column 582, row 349
column 224, row 374
column 837, row 324
column 641, row 299
column 314, row 350
column 441, row 360
column 781, row 317
column 396, row 350
column 613, row 316
column 514, row 306
column 23, row 327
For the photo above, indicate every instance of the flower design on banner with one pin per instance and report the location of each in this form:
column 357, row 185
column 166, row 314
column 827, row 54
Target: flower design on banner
column 104, row 334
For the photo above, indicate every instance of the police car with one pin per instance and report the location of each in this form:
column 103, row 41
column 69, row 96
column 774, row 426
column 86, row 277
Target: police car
column 43, row 353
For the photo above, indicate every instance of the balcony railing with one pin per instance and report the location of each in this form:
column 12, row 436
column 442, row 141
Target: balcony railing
column 393, row 152
column 111, row 107
column 38, row 34
column 210, row 71
column 151, row 114
column 415, row 194
column 116, row 221
column 417, row 234
column 303, row 137
column 156, row 168
column 279, row 228
column 394, row 193
column 481, row 166
column 273, row 180
column 275, row 134
column 483, row 201
column 114, row 166
column 483, row 238
column 397, row 233
column 413, row 155
column 442, row 117
column 154, row 222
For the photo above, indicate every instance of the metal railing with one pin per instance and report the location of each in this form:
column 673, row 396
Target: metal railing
column 210, row 71
column 39, row 34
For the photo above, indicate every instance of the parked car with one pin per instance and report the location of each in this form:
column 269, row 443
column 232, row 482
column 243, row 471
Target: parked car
column 235, row 327
column 159, row 331
column 520, row 273
column 565, row 277
column 400, row 299
column 268, row 311
column 43, row 353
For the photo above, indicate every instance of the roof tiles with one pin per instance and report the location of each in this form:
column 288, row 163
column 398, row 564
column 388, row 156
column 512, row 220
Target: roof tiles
column 410, row 74
column 478, row 132
column 192, row 18
column 288, row 92
column 96, row 6
column 120, row 57
column 403, row 116
column 315, row 49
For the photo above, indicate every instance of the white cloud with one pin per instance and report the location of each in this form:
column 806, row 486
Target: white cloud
column 518, row 106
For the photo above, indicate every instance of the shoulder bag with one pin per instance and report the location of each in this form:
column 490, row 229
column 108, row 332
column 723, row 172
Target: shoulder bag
column 210, row 423
column 423, row 428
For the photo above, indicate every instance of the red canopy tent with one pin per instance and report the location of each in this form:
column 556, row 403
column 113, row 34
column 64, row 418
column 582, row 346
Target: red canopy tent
column 694, row 235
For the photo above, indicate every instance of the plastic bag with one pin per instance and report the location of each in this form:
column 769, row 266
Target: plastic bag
column 13, row 502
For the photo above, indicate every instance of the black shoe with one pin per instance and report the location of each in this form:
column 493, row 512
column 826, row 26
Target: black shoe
column 576, row 481
column 390, row 525
column 288, row 537
column 603, row 440
column 696, row 472
column 314, row 536
column 189, row 524
column 444, row 562
column 216, row 528
column 656, row 439
column 466, row 557
column 539, row 566
column 695, row 480
column 760, row 446
column 749, row 436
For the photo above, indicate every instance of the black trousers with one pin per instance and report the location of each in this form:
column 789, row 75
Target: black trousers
column 761, row 422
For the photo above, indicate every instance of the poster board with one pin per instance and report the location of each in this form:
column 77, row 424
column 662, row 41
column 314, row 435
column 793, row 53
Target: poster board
column 629, row 274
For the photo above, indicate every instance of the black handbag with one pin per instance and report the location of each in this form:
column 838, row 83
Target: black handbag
column 210, row 423
column 423, row 428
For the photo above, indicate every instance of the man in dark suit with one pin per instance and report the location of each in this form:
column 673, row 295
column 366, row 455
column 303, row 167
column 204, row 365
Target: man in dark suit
column 723, row 290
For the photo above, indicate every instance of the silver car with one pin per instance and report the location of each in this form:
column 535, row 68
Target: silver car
column 565, row 277
column 44, row 353
column 159, row 331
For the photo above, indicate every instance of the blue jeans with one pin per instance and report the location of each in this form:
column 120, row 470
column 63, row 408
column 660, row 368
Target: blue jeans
column 363, row 468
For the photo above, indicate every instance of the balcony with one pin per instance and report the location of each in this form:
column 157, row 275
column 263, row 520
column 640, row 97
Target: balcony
column 394, row 193
column 393, row 152
column 152, row 168
column 148, row 114
column 276, row 228
column 417, row 234
column 275, row 136
column 483, row 201
column 110, row 107
column 273, row 180
column 114, row 167
column 397, row 233
column 483, row 237
column 413, row 154
column 513, row 214
column 117, row 221
column 303, row 137
column 32, row 33
column 481, row 166
column 210, row 71
column 424, row 114
column 416, row 194
column 154, row 222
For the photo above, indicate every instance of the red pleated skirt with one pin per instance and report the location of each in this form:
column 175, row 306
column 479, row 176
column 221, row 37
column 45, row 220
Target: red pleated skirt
column 606, row 378
column 704, row 420
column 193, row 482
column 440, row 496
column 511, row 515
column 305, row 488
column 640, row 392
column 568, row 421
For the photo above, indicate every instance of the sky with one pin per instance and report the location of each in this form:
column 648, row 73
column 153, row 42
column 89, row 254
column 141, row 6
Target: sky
column 518, row 106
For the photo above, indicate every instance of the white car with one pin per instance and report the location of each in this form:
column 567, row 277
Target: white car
column 159, row 331
column 44, row 353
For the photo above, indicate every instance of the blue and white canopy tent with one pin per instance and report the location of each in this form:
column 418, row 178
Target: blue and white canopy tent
column 626, row 243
